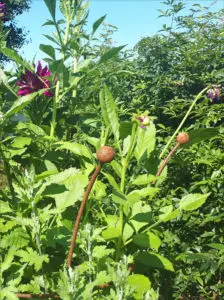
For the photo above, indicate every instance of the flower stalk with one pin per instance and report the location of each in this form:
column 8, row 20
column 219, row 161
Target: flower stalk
column 183, row 121
column 54, row 114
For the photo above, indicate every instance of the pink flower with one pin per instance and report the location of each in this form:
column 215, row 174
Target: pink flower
column 2, row 9
column 32, row 82
column 144, row 120
column 214, row 94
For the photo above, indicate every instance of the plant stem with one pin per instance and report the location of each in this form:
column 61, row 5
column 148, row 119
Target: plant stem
column 8, row 175
column 121, row 217
column 54, row 114
column 166, row 161
column 80, row 213
column 183, row 121
column 37, row 235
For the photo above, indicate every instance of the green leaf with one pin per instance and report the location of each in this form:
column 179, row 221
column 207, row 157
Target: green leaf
column 17, row 238
column 217, row 246
column 127, row 232
column 143, row 179
column 20, row 142
column 141, row 215
column 109, row 111
column 193, row 201
column 13, row 55
column 117, row 167
column 143, row 193
column 119, row 198
column 97, row 23
column 154, row 260
column 75, row 189
column 48, row 22
column 4, row 207
column 32, row 258
column 49, row 50
column 45, row 174
column 5, row 265
column 21, row 102
column 146, row 139
column 169, row 216
column 140, row 284
column 112, row 181
column 51, row 5
column 75, row 148
column 109, row 54
column 100, row 252
column 111, row 233
column 201, row 134
column 125, row 129
column 147, row 240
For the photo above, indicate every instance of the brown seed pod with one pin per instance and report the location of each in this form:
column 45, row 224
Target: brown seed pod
column 105, row 154
column 183, row 138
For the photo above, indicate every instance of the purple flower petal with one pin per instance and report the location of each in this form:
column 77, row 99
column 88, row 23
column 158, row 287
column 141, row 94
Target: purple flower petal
column 31, row 82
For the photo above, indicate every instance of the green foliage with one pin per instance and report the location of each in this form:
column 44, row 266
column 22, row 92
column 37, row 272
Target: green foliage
column 141, row 236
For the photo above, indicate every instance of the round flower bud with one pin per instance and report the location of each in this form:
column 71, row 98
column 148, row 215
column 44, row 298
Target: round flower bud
column 146, row 120
column 105, row 154
column 183, row 138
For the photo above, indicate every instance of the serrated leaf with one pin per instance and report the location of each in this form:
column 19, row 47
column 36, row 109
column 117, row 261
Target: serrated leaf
column 75, row 148
column 100, row 252
column 20, row 142
column 193, row 201
column 75, row 186
column 13, row 55
column 32, row 258
column 4, row 207
column 109, row 111
column 17, row 238
column 154, row 260
column 143, row 179
column 146, row 139
column 5, row 265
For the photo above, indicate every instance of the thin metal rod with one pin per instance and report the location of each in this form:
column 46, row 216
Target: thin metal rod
column 166, row 161
column 80, row 213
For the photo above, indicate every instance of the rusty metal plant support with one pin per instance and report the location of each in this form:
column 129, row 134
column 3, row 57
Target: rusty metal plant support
column 104, row 155
column 166, row 161
column 181, row 139
column 81, row 209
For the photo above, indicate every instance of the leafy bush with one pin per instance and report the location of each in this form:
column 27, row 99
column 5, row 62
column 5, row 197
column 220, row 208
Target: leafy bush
column 148, row 231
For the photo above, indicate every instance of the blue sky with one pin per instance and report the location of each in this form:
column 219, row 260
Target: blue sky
column 134, row 19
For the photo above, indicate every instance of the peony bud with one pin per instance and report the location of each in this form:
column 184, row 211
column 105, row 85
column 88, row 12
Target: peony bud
column 183, row 138
column 105, row 154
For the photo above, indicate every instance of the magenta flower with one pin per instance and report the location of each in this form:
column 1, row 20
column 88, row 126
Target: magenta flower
column 32, row 82
column 2, row 9
column 214, row 94
column 143, row 120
